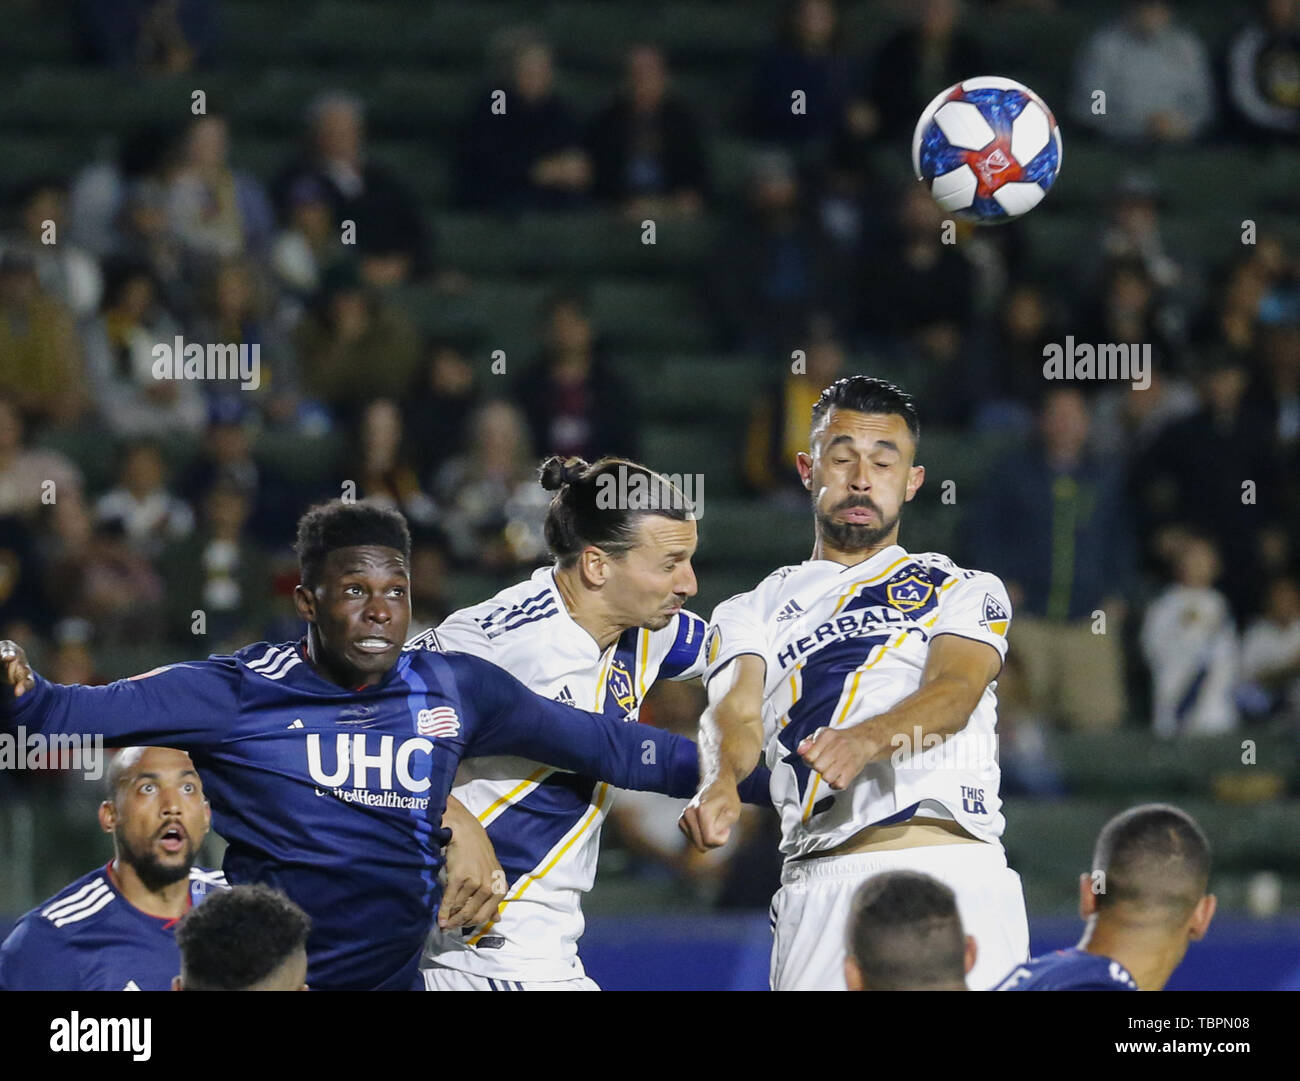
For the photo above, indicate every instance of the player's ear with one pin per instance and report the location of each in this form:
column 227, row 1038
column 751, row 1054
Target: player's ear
column 803, row 462
column 853, row 975
column 1202, row 914
column 108, row 816
column 915, row 478
column 1087, row 898
column 972, row 953
column 304, row 602
column 594, row 566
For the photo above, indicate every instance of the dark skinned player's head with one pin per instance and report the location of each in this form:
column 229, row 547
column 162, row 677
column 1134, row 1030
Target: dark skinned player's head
column 355, row 589
column 156, row 811
column 249, row 938
column 1151, row 871
column 905, row 934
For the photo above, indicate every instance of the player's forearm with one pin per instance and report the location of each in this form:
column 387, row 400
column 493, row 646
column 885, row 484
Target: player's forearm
column 731, row 742
column 939, row 708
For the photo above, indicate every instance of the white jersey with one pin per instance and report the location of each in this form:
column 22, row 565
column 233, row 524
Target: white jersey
column 545, row 823
column 843, row 644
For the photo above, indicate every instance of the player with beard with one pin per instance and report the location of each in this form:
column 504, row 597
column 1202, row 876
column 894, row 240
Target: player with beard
column 865, row 677
column 114, row 929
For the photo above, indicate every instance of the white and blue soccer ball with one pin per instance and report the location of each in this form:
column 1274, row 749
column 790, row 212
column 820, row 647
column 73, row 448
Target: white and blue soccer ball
column 987, row 149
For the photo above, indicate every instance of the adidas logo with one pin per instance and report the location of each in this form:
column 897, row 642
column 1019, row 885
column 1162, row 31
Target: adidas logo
column 565, row 696
column 789, row 612
column 296, row 724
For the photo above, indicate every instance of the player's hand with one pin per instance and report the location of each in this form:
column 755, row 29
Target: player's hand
column 839, row 755
column 476, row 884
column 15, row 672
column 708, row 818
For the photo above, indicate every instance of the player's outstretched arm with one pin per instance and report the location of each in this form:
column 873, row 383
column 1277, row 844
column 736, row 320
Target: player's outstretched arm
column 956, row 673
column 190, row 705
column 476, row 884
column 511, row 719
column 731, row 741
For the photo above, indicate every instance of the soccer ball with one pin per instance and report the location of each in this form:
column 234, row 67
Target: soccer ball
column 987, row 149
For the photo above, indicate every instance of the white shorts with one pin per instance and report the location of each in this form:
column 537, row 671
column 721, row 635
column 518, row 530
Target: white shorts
column 440, row 978
column 810, row 913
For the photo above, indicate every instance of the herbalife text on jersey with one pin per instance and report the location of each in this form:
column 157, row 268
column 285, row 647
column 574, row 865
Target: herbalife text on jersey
column 21, row 750
column 624, row 489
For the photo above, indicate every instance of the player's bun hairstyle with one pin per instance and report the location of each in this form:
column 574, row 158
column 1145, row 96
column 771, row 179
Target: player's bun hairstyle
column 1154, row 858
column 341, row 524
column 905, row 933
column 237, row 938
column 601, row 504
column 864, row 394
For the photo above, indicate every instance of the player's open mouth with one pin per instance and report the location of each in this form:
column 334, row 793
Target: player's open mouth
column 373, row 645
column 172, row 838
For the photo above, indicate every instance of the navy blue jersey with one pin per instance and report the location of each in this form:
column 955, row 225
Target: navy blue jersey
column 88, row 937
column 1069, row 970
column 336, row 796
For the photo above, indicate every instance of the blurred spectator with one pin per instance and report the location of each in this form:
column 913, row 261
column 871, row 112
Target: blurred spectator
column 575, row 403
column 215, row 210
column 151, row 516
column 1025, row 758
column 24, row 602
column 773, row 269
column 1133, row 231
column 73, row 660
column 780, row 417
column 157, row 36
column 1190, row 644
column 916, row 62
column 437, row 408
column 64, row 270
column 1155, row 74
column 354, row 345
column 120, row 358
column 146, row 238
column 1264, row 70
column 1230, row 324
column 524, row 153
column 1270, row 655
column 40, row 358
column 647, row 154
column 99, row 191
column 1216, row 468
column 381, row 465
column 218, row 570
column 808, row 58
column 117, row 588
column 32, row 479
column 430, row 604
column 391, row 238
column 1126, row 419
column 308, row 242
column 1052, row 523
column 1129, row 309
column 1024, row 325
column 493, row 505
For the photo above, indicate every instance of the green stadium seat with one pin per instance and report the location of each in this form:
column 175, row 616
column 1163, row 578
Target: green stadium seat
column 703, row 386
column 762, row 535
column 301, row 459
column 643, row 316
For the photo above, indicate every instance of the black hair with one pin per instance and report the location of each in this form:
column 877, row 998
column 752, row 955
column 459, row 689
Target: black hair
column 1153, row 858
column 905, row 933
column 237, row 938
column 587, row 509
column 864, row 394
column 343, row 524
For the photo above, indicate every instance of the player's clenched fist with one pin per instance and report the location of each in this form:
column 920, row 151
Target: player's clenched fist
column 15, row 672
column 708, row 818
column 476, row 884
column 839, row 755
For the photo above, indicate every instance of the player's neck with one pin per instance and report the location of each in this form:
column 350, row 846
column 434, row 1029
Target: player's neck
column 851, row 557
column 587, row 610
column 1149, row 958
column 169, row 902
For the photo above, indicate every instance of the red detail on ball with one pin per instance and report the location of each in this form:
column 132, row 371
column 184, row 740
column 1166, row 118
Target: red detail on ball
column 993, row 165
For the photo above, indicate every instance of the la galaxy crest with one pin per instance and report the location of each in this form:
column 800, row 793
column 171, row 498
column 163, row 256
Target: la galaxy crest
column 908, row 594
column 619, row 685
